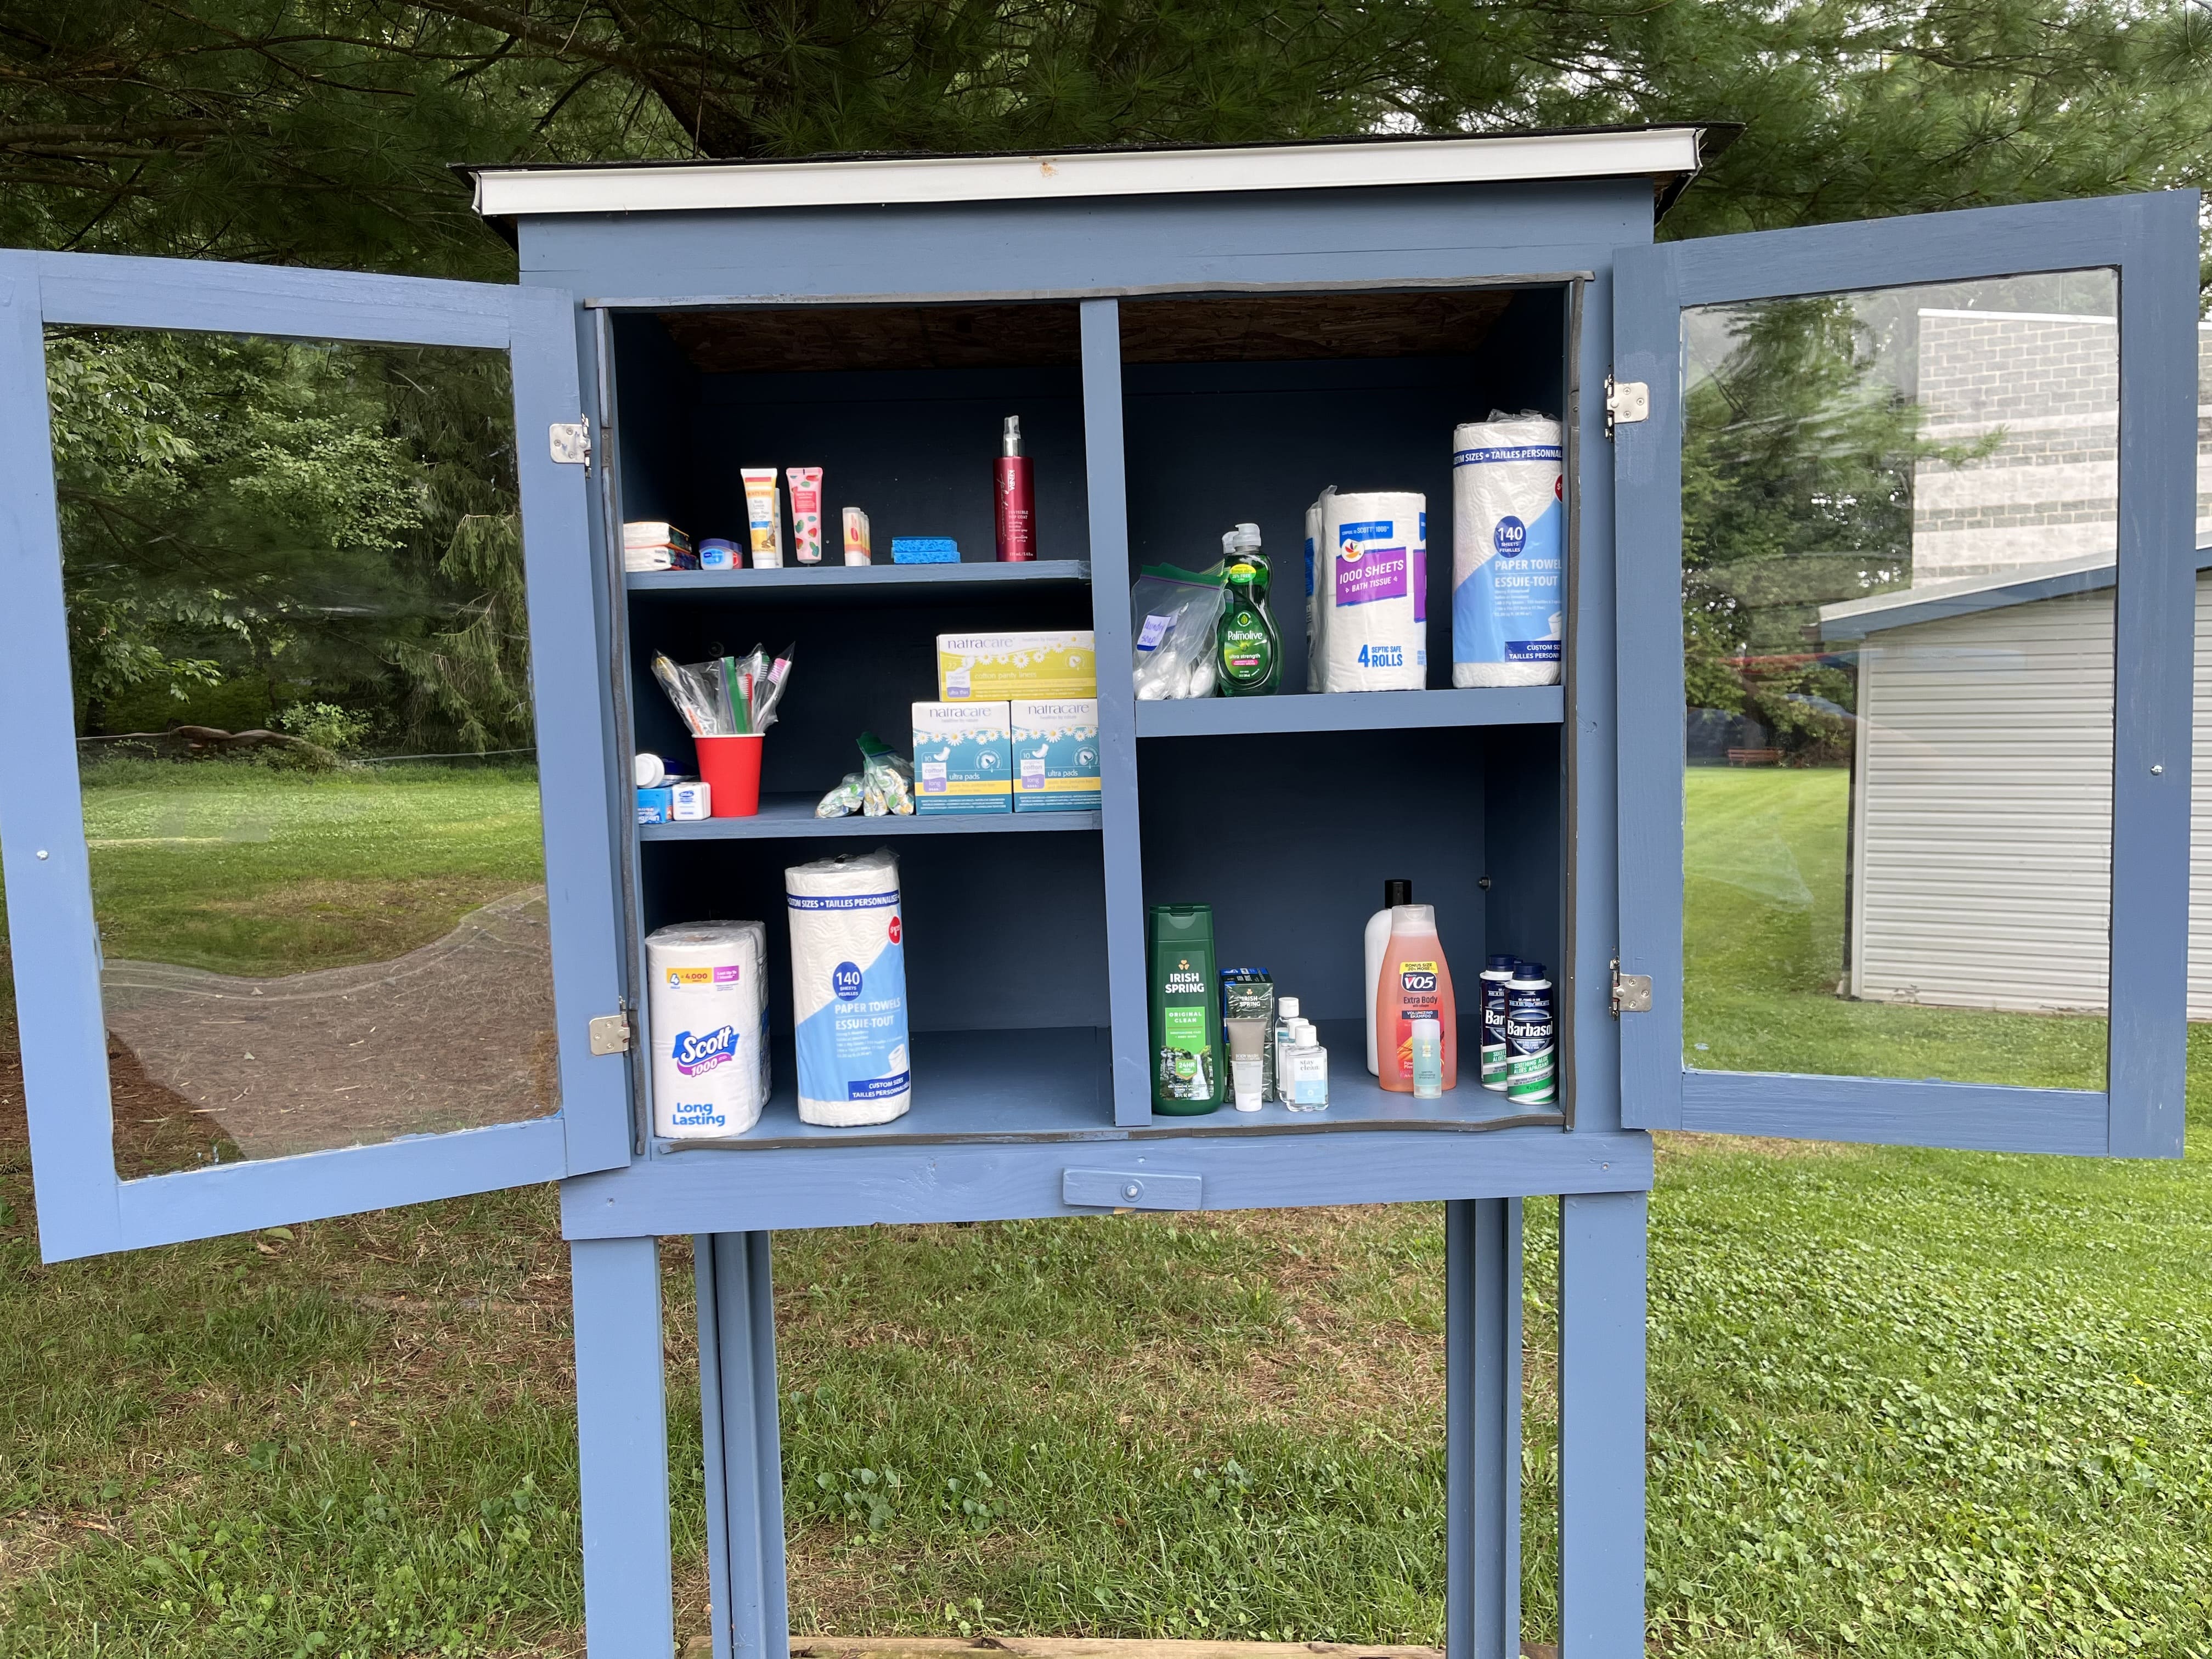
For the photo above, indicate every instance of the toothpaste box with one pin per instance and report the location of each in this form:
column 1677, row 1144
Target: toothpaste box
column 654, row 805
column 998, row 667
column 1055, row 754
column 962, row 757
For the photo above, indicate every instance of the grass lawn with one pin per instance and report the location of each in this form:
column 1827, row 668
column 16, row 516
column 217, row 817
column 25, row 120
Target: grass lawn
column 1763, row 863
column 1903, row 1403
column 246, row 870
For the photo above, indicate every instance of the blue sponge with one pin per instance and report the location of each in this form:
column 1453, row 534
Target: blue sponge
column 925, row 549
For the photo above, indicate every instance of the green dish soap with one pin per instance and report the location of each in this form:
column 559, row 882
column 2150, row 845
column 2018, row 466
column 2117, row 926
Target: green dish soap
column 1247, row 655
column 1186, row 1025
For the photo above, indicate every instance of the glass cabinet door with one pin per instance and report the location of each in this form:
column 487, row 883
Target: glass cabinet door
column 309, row 901
column 1907, row 598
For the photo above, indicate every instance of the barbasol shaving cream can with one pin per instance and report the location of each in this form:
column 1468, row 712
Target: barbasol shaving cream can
column 1529, row 1030
column 1494, row 995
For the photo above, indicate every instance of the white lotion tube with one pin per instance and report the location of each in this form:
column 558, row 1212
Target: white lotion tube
column 763, row 516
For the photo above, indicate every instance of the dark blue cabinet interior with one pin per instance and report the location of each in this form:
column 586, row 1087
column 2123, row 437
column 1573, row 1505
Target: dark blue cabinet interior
column 1235, row 407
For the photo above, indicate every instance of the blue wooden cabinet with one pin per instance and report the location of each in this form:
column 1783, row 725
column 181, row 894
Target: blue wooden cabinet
column 1192, row 338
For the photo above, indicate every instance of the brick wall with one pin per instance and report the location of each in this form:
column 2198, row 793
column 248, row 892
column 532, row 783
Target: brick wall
column 2048, row 492
column 2046, row 390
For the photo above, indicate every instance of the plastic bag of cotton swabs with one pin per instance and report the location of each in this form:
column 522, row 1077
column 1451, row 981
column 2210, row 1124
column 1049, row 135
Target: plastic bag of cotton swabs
column 726, row 697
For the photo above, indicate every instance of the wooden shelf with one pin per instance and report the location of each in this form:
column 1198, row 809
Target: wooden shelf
column 784, row 817
column 889, row 583
column 1353, row 711
column 1055, row 1085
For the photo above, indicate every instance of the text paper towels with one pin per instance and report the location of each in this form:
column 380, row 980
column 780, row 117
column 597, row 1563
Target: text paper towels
column 1374, row 611
column 708, row 1010
column 848, row 989
column 1507, row 508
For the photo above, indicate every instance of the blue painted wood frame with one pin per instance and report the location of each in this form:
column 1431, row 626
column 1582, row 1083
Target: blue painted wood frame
column 1602, row 1437
column 1482, row 1428
column 743, row 1446
column 83, row 1208
column 622, row 1446
column 2151, row 241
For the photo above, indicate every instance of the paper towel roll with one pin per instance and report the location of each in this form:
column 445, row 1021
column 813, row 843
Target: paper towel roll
column 708, row 1010
column 848, row 989
column 1374, row 590
column 1508, row 506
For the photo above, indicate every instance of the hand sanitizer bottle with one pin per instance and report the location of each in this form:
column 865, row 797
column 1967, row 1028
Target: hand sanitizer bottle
column 1286, row 1023
column 1428, row 1059
column 1310, row 1070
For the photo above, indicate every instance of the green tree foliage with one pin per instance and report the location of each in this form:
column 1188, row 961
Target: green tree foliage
column 322, row 132
column 1798, row 456
column 281, row 518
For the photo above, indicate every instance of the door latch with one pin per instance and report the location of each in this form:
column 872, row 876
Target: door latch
column 1626, row 402
column 1631, row 992
column 571, row 442
column 610, row 1034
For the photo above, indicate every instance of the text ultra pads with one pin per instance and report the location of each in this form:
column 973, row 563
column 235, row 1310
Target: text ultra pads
column 963, row 758
column 995, row 667
column 1055, row 754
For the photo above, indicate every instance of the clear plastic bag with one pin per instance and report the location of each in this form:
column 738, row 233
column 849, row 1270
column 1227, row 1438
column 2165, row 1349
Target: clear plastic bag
column 886, row 779
column 1173, row 614
column 882, row 788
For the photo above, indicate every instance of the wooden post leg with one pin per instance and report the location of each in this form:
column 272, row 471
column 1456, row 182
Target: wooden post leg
column 622, row 1443
column 1482, row 1428
column 745, row 1455
column 1601, row 1268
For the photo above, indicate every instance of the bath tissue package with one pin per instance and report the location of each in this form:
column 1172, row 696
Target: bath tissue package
column 848, row 989
column 1374, row 590
column 1508, row 506
column 708, row 1012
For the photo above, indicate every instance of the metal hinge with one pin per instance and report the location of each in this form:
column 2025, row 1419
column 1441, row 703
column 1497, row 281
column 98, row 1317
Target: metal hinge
column 571, row 442
column 1626, row 402
column 1631, row 992
column 610, row 1034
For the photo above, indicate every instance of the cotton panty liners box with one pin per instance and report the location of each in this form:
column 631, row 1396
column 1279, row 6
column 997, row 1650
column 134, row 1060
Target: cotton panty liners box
column 1055, row 755
column 962, row 757
column 708, row 1010
column 996, row 667
column 848, row 989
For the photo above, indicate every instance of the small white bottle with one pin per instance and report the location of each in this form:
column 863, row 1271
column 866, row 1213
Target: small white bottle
column 1309, row 1070
column 1428, row 1058
column 1378, row 939
column 1286, row 1019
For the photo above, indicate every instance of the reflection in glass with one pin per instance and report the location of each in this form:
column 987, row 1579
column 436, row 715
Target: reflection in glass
column 1899, row 519
column 294, row 588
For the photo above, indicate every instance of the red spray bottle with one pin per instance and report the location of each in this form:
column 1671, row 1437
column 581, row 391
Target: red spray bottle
column 1016, row 500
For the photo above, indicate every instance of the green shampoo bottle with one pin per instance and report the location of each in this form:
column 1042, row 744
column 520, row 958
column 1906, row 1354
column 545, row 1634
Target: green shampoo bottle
column 1186, row 1025
column 1248, row 652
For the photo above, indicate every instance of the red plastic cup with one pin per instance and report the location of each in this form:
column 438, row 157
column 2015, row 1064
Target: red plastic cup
column 730, row 768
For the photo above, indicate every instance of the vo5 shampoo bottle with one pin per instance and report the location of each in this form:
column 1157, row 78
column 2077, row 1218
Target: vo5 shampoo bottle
column 1415, row 981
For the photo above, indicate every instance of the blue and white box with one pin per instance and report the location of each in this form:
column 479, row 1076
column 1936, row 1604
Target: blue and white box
column 962, row 757
column 1056, row 742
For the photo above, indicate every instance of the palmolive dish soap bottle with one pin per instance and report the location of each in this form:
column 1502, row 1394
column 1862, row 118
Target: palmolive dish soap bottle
column 1415, row 982
column 1248, row 652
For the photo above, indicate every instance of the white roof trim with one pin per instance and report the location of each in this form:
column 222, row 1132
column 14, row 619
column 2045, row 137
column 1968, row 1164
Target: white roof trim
column 504, row 191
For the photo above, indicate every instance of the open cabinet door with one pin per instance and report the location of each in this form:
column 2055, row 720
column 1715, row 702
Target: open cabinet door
column 1907, row 587
column 297, row 652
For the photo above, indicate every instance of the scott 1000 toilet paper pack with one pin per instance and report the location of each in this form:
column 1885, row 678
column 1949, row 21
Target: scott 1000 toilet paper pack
column 1373, row 576
column 1507, row 506
column 848, row 989
column 707, row 1009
